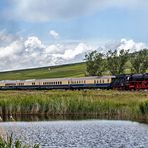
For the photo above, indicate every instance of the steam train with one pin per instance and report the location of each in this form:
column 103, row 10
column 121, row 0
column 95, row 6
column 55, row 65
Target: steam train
column 131, row 82
column 119, row 82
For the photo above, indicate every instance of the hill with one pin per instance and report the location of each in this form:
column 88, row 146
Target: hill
column 69, row 70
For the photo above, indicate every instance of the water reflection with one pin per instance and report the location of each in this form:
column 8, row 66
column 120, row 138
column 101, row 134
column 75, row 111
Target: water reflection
column 80, row 134
column 42, row 117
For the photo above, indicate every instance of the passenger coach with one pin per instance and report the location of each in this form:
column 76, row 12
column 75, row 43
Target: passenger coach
column 103, row 82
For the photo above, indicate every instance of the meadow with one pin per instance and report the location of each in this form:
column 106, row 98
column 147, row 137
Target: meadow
column 99, row 103
column 62, row 71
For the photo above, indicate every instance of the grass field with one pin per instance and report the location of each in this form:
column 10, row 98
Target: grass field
column 71, row 70
column 124, row 105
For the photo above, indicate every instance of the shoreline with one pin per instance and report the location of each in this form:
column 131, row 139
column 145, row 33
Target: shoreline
column 91, row 103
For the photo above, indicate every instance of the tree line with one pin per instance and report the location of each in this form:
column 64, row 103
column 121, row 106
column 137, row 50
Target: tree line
column 116, row 62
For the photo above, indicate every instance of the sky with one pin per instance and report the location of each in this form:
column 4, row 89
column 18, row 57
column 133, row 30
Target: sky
column 35, row 33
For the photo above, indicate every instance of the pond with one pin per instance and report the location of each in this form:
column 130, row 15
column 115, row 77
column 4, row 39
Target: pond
column 79, row 134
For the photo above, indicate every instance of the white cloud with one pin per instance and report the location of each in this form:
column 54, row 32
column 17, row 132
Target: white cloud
column 12, row 49
column 33, row 43
column 31, row 52
column 72, row 53
column 124, row 44
column 54, row 34
column 36, row 10
column 131, row 45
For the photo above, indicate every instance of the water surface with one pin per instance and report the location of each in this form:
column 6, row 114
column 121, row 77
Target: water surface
column 80, row 134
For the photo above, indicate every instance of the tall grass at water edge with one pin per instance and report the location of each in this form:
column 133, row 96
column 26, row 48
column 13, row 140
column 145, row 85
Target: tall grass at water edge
column 9, row 142
column 91, row 102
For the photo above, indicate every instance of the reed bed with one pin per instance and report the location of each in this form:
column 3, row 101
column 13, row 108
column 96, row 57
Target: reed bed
column 9, row 142
column 128, row 105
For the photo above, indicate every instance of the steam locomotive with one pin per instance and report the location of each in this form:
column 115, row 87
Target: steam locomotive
column 131, row 82
column 119, row 82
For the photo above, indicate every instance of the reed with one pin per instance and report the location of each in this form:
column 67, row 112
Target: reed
column 88, row 102
column 9, row 142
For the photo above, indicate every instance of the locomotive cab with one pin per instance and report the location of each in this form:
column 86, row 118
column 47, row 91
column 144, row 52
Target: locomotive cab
column 120, row 82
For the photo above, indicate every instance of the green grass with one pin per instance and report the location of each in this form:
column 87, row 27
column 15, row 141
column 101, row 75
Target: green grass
column 9, row 142
column 130, row 105
column 70, row 70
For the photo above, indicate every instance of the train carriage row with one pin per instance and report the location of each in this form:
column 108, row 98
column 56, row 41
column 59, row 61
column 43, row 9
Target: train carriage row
column 120, row 82
column 59, row 83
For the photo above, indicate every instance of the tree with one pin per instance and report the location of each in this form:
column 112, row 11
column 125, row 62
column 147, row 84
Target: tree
column 95, row 64
column 116, row 61
column 139, row 61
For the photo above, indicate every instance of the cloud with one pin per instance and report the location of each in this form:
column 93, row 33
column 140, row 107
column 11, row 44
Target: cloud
column 36, row 10
column 54, row 34
column 31, row 52
column 72, row 53
column 12, row 49
column 131, row 45
column 33, row 43
column 20, row 53
column 124, row 44
column 6, row 38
